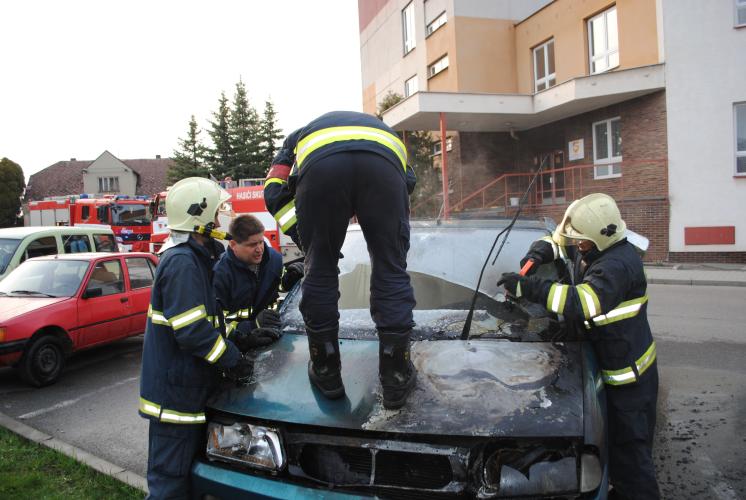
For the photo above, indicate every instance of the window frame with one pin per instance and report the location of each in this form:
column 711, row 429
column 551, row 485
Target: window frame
column 610, row 161
column 607, row 53
column 437, row 145
column 108, row 184
column 547, row 77
column 408, row 24
column 738, row 153
column 148, row 266
column 416, row 86
column 431, row 67
column 737, row 6
column 439, row 21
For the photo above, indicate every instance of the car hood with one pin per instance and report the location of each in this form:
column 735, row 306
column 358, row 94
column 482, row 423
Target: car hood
column 464, row 388
column 12, row 307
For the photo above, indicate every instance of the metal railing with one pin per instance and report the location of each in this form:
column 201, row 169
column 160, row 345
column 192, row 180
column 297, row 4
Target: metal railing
column 629, row 180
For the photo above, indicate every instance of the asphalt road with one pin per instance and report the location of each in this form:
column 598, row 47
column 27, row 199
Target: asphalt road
column 700, row 445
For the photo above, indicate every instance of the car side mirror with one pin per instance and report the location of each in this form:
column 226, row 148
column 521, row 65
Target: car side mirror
column 90, row 293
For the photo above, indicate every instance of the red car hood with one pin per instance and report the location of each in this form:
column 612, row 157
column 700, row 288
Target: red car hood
column 12, row 307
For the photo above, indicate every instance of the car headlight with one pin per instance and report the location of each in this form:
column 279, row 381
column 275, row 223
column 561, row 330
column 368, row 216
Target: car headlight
column 246, row 444
column 528, row 472
column 591, row 472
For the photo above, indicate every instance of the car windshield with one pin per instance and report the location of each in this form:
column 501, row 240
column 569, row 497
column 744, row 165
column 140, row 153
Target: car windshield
column 45, row 278
column 130, row 214
column 7, row 249
column 444, row 262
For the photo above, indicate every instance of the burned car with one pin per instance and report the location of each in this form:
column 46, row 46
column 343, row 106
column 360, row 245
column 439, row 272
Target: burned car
column 517, row 410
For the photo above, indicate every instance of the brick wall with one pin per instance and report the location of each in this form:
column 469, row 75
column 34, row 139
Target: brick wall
column 714, row 257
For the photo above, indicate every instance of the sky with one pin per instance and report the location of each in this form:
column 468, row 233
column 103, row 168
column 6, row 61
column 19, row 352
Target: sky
column 80, row 77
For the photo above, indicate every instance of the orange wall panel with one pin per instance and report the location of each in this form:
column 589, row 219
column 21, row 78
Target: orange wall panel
column 486, row 55
column 369, row 99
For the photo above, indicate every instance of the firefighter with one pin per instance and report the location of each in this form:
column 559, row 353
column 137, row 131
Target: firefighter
column 184, row 352
column 608, row 304
column 347, row 164
column 248, row 277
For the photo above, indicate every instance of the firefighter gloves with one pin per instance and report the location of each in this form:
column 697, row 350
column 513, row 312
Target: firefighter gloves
column 293, row 273
column 268, row 319
column 240, row 372
column 512, row 283
column 541, row 252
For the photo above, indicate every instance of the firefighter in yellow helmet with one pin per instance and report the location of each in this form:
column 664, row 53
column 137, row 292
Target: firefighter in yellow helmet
column 184, row 350
column 607, row 303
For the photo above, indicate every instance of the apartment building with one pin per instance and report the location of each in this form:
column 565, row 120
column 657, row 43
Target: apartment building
column 580, row 88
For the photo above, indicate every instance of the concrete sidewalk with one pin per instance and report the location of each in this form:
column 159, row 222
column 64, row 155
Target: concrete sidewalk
column 697, row 274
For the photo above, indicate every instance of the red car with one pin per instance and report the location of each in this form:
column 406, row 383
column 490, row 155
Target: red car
column 55, row 305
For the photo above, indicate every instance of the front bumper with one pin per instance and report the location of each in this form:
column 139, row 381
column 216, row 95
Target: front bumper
column 223, row 484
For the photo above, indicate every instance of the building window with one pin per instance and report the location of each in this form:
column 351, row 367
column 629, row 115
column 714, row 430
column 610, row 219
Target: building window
column 607, row 148
column 435, row 24
column 544, row 66
column 410, row 86
column 407, row 20
column 438, row 146
column 437, row 66
column 108, row 184
column 740, row 13
column 603, row 40
column 740, row 112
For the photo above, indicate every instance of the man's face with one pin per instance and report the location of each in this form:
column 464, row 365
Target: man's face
column 251, row 250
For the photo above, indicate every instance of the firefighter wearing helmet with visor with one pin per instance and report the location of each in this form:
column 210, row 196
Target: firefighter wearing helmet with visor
column 184, row 351
column 607, row 303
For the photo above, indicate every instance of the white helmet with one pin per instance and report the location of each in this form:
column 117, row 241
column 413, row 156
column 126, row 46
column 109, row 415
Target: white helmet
column 193, row 202
column 594, row 217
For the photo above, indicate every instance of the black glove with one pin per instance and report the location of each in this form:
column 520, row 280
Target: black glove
column 241, row 371
column 512, row 283
column 293, row 273
column 541, row 252
column 268, row 318
column 247, row 338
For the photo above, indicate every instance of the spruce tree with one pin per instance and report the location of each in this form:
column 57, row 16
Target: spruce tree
column 269, row 136
column 221, row 158
column 189, row 159
column 243, row 132
column 12, row 188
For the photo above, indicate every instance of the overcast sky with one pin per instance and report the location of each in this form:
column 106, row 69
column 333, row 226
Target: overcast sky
column 81, row 77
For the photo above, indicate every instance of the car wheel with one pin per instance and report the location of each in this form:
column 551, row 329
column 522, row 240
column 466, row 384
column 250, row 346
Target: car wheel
column 42, row 361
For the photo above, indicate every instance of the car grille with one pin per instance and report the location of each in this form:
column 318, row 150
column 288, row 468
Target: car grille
column 391, row 469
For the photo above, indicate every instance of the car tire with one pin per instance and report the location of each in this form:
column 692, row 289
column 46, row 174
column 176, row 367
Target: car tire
column 42, row 361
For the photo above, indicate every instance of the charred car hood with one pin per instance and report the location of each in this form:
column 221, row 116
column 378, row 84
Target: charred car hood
column 12, row 307
column 464, row 388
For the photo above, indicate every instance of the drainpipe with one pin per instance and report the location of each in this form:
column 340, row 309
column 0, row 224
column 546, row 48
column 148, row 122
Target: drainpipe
column 444, row 165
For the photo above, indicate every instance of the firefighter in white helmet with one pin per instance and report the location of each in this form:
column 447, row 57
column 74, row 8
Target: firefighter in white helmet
column 184, row 350
column 607, row 303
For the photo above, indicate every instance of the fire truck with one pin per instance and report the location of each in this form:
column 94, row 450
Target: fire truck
column 128, row 217
column 244, row 200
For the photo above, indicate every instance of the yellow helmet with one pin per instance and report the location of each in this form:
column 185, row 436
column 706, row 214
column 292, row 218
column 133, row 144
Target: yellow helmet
column 193, row 202
column 594, row 217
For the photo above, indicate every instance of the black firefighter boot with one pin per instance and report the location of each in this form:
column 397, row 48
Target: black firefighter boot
column 396, row 371
column 324, row 367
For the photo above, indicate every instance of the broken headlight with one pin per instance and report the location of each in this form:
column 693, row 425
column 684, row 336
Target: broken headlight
column 528, row 472
column 245, row 444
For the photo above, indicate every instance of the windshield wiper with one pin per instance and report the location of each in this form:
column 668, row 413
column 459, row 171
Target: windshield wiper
column 32, row 292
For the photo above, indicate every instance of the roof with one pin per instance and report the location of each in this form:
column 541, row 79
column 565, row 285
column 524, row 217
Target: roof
column 66, row 178
column 22, row 232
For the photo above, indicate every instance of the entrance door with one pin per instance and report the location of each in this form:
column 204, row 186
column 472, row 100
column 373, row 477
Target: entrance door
column 553, row 183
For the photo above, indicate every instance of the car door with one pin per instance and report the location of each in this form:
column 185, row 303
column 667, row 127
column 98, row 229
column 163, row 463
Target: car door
column 140, row 272
column 104, row 309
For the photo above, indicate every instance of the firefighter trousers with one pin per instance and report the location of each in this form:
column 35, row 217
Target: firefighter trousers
column 631, row 414
column 171, row 450
column 329, row 192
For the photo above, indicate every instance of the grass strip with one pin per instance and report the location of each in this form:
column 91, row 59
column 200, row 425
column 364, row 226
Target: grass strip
column 30, row 470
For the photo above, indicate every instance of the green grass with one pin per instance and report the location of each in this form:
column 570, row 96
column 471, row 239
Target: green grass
column 30, row 470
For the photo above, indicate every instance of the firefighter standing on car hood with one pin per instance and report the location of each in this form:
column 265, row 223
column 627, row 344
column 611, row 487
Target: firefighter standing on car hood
column 184, row 351
column 347, row 164
column 608, row 303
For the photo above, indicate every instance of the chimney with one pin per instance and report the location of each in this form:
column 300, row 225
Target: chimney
column 73, row 159
column 157, row 157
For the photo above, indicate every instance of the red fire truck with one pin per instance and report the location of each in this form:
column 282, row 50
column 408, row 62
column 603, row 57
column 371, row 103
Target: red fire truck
column 129, row 218
column 159, row 232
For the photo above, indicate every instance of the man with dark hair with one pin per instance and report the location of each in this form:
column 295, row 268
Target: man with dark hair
column 247, row 278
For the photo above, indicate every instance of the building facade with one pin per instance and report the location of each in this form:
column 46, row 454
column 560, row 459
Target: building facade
column 578, row 88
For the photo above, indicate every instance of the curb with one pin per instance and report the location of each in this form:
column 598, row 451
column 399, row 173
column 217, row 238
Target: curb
column 674, row 281
column 99, row 464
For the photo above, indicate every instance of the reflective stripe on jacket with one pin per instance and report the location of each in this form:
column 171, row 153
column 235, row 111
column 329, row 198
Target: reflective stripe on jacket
column 182, row 345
